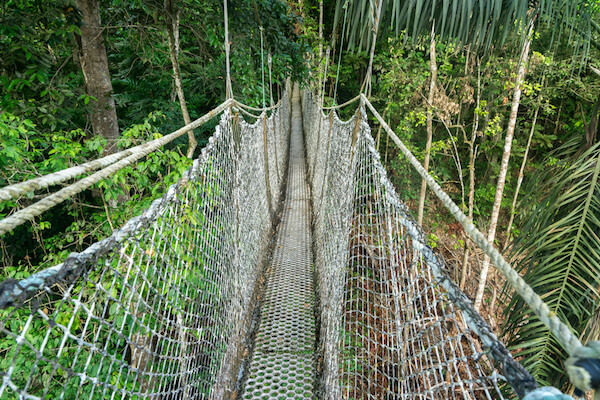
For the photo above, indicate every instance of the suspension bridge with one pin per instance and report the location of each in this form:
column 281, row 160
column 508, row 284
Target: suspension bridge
column 282, row 265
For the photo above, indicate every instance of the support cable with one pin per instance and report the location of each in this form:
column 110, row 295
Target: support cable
column 325, row 76
column 337, row 75
column 270, row 63
column 367, row 83
column 228, row 89
column 262, row 64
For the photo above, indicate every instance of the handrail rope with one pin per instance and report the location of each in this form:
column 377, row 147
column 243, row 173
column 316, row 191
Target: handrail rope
column 576, row 367
column 342, row 105
column 237, row 103
column 19, row 189
column 262, row 65
column 29, row 213
column 248, row 113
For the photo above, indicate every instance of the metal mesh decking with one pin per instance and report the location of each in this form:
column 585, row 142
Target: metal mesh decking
column 283, row 363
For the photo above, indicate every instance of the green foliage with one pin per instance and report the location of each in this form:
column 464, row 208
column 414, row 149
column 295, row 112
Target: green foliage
column 38, row 79
column 478, row 24
column 558, row 257
column 88, row 218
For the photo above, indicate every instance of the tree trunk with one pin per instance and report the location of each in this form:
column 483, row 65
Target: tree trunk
column 433, row 69
column 510, row 130
column 94, row 65
column 471, row 198
column 520, row 177
column 172, row 25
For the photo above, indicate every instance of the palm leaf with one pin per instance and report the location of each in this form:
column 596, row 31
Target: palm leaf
column 480, row 23
column 558, row 256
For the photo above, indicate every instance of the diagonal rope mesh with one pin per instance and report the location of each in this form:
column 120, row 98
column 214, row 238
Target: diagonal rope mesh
column 191, row 301
column 159, row 309
column 389, row 329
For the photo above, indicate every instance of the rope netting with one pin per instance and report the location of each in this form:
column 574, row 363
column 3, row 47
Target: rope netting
column 390, row 327
column 166, row 308
column 159, row 309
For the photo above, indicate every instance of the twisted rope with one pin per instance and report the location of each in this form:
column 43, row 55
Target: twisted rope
column 19, row 189
column 342, row 105
column 242, row 105
column 29, row 213
column 582, row 375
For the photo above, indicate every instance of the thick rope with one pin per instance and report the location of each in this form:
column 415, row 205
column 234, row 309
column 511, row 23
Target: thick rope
column 242, row 105
column 342, row 105
column 576, row 368
column 262, row 65
column 19, row 189
column 228, row 87
column 270, row 64
column 36, row 209
column 248, row 113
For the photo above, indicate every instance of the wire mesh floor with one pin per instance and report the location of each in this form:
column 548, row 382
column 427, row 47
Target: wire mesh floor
column 283, row 363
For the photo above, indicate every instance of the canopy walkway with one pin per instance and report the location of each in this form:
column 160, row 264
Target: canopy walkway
column 282, row 265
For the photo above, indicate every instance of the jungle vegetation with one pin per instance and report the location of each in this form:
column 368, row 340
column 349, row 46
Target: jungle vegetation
column 501, row 101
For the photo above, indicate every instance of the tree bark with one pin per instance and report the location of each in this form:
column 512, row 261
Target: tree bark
column 510, row 130
column 471, row 198
column 94, row 65
column 172, row 25
column 520, row 177
column 433, row 69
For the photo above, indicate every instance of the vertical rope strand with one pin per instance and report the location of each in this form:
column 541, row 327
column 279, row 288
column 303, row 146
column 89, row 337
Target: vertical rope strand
column 367, row 83
column 325, row 75
column 337, row 75
column 262, row 65
column 269, row 64
column 228, row 89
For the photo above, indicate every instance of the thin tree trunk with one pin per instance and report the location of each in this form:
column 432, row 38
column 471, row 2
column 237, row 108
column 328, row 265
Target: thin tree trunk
column 172, row 25
column 367, row 81
column 433, row 69
column 504, row 165
column 520, row 179
column 94, row 65
column 471, row 198
column 320, row 29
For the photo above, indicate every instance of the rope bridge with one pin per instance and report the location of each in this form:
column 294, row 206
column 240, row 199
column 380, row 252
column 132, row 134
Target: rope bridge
column 282, row 265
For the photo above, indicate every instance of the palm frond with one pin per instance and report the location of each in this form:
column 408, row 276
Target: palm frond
column 480, row 23
column 559, row 257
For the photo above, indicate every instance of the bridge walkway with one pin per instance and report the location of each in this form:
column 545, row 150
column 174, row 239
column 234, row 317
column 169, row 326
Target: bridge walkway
column 283, row 362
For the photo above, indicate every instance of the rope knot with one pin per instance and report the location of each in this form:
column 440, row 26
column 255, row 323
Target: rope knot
column 583, row 368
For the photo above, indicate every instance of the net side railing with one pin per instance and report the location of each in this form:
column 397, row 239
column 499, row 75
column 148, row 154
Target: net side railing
column 159, row 309
column 393, row 325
